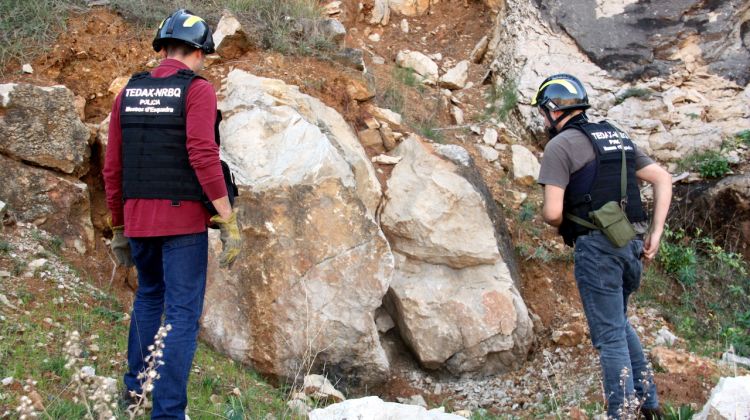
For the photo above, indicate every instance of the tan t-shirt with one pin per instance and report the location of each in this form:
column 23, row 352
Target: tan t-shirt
column 568, row 152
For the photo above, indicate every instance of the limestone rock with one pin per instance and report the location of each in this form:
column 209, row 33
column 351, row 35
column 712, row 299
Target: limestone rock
column 457, row 114
column 385, row 115
column 678, row 362
column 373, row 408
column 452, row 264
column 230, row 38
column 320, row 388
column 358, row 89
column 383, row 320
column 386, row 160
column 315, row 265
column 54, row 202
column 27, row 69
column 333, row 29
column 455, row 78
column 118, row 84
column 729, row 400
column 480, row 49
column 41, row 125
column 488, row 153
column 389, row 138
column 371, row 138
column 525, row 165
column 381, row 13
column 410, row 7
column 404, row 26
column 332, row 8
column 420, row 63
column 434, row 214
column 664, row 337
column 570, row 335
column 490, row 137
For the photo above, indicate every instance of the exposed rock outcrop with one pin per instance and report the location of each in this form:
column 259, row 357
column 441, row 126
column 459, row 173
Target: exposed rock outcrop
column 40, row 125
column 55, row 202
column 691, row 109
column 453, row 295
column 315, row 265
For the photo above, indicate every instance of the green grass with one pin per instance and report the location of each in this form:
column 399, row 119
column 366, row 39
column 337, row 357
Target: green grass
column 704, row 291
column 408, row 77
column 26, row 26
column 33, row 349
column 502, row 99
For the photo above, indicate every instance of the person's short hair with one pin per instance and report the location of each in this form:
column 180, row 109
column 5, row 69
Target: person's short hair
column 176, row 47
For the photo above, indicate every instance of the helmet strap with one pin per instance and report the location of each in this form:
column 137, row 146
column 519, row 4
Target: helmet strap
column 552, row 130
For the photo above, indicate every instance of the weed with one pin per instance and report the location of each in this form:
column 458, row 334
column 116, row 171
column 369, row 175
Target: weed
column 683, row 412
column 743, row 136
column 108, row 314
column 710, row 164
column 392, row 98
column 528, row 211
column 429, row 129
column 634, row 93
column 407, row 76
column 502, row 99
column 5, row 247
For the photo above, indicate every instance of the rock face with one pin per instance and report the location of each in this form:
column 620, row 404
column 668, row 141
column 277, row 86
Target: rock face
column 55, row 202
column 690, row 109
column 373, row 408
column 41, row 125
column 730, row 399
column 644, row 39
column 315, row 266
column 453, row 296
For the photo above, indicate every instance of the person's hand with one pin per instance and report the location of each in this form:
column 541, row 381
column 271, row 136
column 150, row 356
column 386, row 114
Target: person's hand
column 121, row 247
column 651, row 244
column 231, row 240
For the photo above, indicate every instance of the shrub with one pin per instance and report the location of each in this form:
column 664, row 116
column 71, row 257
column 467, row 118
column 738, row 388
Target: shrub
column 634, row 93
column 710, row 164
column 502, row 99
column 744, row 136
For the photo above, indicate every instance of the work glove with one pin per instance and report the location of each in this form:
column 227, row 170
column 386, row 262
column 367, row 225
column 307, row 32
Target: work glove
column 121, row 247
column 231, row 240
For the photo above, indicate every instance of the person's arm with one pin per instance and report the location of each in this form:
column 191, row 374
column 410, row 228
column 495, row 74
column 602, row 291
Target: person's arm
column 662, row 184
column 552, row 210
column 203, row 151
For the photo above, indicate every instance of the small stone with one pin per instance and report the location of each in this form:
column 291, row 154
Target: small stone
column 7, row 381
column 413, row 400
column 26, row 68
column 374, row 37
column 404, row 26
column 386, row 160
column 457, row 114
column 37, row 264
column 664, row 337
column 490, row 137
column 378, row 60
column 488, row 153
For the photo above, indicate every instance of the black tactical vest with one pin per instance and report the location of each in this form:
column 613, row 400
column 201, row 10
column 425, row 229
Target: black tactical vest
column 599, row 180
column 155, row 161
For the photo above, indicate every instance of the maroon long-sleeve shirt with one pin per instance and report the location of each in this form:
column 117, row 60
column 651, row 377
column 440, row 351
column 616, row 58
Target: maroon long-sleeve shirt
column 152, row 217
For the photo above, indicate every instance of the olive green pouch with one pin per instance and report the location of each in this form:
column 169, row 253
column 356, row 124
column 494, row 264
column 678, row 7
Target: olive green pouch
column 613, row 223
column 611, row 218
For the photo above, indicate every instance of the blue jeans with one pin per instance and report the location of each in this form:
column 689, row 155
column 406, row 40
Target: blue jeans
column 171, row 283
column 606, row 276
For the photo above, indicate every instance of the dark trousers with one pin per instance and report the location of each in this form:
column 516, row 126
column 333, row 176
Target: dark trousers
column 171, row 284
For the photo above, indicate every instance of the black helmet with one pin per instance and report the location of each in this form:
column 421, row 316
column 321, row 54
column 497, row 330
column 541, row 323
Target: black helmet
column 186, row 27
column 561, row 92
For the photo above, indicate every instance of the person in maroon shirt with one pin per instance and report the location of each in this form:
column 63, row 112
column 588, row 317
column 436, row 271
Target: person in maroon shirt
column 161, row 161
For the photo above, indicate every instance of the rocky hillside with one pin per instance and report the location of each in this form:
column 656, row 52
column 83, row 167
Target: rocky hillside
column 387, row 154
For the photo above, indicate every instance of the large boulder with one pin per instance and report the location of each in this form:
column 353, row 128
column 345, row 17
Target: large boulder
column 729, row 400
column 420, row 63
column 453, row 294
column 315, row 265
column 41, row 125
column 230, row 38
column 54, row 202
